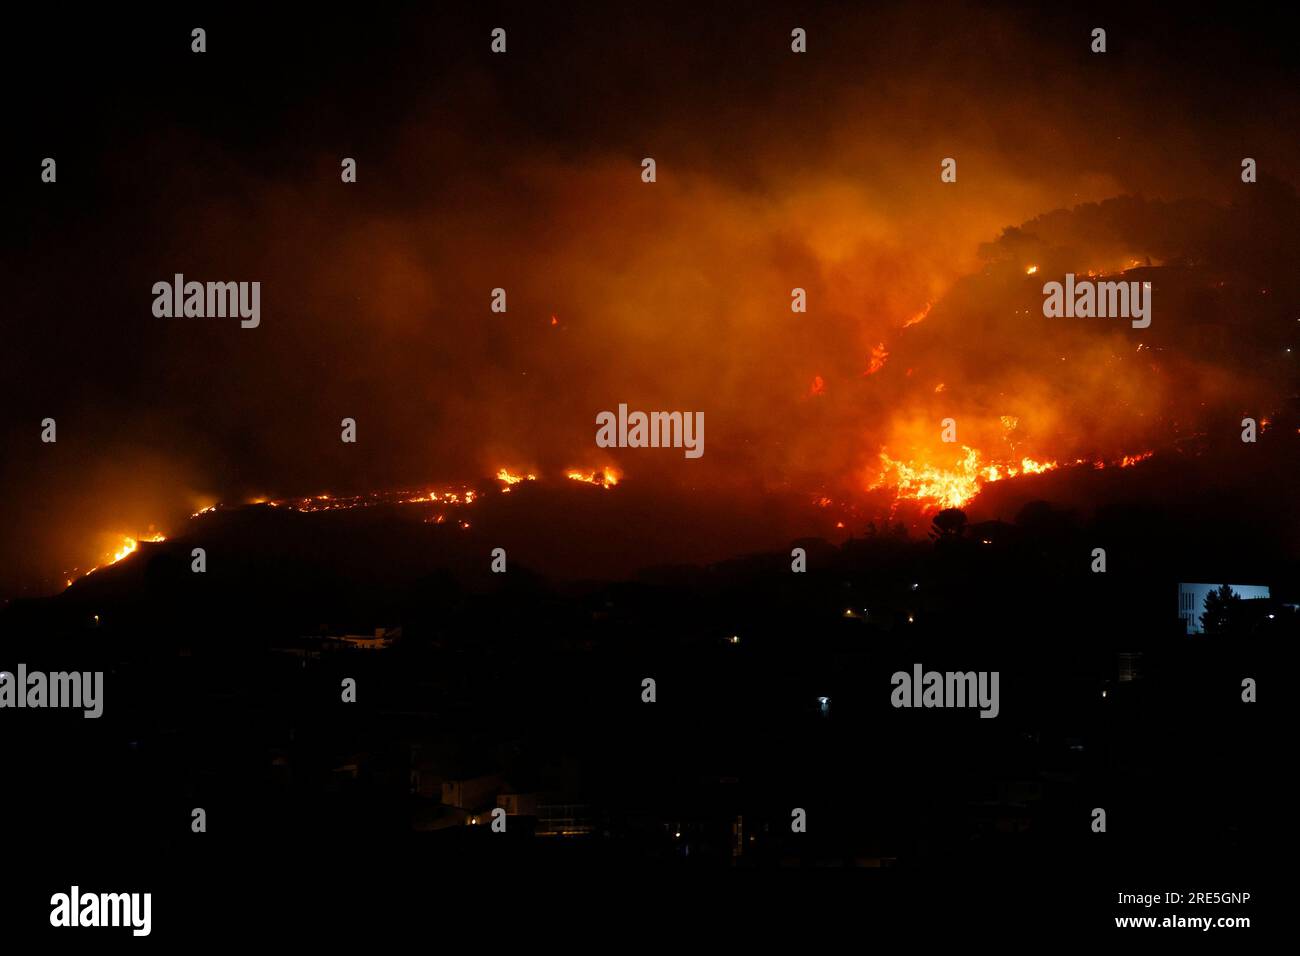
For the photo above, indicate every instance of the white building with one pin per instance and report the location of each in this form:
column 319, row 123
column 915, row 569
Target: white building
column 1191, row 600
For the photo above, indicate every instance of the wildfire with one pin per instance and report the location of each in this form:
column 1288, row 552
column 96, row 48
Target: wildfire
column 878, row 356
column 1031, row 270
column 919, row 317
column 953, row 487
column 950, row 487
column 1128, row 460
column 454, row 495
column 125, row 549
column 1030, row 467
column 510, row 479
column 818, row 386
column 130, row 545
column 606, row 477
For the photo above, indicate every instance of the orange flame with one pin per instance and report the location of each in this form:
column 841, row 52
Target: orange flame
column 606, row 477
column 1128, row 460
column 950, row 487
column 878, row 357
column 511, row 479
column 125, row 549
column 919, row 317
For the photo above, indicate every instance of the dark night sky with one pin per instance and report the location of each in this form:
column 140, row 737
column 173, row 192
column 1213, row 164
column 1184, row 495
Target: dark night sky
column 522, row 171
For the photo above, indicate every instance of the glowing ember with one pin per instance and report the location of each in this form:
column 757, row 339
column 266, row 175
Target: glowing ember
column 606, row 477
column 1031, row 270
column 455, row 496
column 878, row 357
column 818, row 385
column 1128, row 460
column 919, row 317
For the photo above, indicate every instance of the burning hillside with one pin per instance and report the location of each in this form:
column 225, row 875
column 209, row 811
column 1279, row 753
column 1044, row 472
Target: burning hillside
column 438, row 506
column 936, row 487
column 486, row 313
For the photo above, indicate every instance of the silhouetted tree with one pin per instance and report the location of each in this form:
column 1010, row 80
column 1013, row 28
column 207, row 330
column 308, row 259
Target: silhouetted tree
column 948, row 524
column 1223, row 608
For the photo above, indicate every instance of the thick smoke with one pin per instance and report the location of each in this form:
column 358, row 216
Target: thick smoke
column 774, row 172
